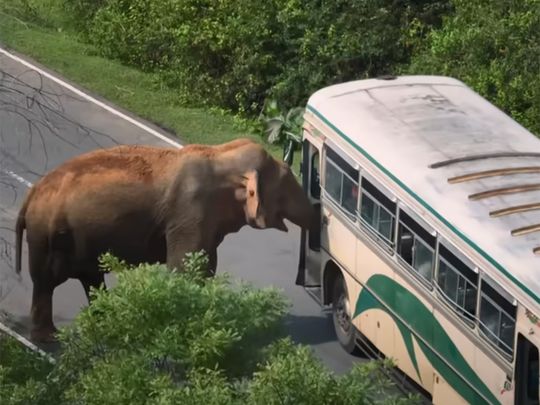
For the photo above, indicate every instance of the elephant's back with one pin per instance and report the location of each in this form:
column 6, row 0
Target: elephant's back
column 133, row 163
column 122, row 177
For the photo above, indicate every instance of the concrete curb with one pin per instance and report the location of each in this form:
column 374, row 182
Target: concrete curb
column 22, row 340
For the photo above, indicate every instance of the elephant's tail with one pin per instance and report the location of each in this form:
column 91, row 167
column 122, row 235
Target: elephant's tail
column 20, row 226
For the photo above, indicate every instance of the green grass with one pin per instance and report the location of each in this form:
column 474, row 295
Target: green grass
column 127, row 87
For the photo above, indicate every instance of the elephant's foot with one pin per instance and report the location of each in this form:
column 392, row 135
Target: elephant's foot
column 44, row 334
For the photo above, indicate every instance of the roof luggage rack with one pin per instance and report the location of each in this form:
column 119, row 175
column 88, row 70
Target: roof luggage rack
column 471, row 158
column 493, row 173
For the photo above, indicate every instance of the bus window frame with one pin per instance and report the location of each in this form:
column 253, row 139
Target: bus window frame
column 428, row 283
column 388, row 244
column 328, row 160
column 511, row 301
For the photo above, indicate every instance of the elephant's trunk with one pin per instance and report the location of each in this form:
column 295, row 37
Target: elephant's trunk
column 299, row 209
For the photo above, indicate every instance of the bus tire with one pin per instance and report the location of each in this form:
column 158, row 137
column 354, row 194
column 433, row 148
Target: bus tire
column 343, row 326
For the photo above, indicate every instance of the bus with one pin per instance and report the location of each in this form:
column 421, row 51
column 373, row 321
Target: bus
column 428, row 248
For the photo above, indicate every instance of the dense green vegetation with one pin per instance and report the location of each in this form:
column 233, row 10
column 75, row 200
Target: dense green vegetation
column 239, row 56
column 159, row 337
column 494, row 47
column 235, row 54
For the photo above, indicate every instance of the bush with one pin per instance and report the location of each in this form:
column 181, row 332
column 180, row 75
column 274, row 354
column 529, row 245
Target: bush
column 23, row 374
column 332, row 42
column 46, row 13
column 160, row 337
column 493, row 47
column 234, row 54
column 219, row 53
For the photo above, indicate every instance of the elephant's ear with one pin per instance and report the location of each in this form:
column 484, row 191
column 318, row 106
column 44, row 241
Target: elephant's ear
column 252, row 194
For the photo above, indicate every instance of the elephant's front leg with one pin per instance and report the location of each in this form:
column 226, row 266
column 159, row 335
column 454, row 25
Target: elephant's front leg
column 95, row 280
column 212, row 261
column 181, row 243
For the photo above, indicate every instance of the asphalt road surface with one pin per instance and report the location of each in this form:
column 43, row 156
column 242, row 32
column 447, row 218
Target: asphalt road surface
column 42, row 124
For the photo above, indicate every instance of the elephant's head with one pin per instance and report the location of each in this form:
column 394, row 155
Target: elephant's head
column 273, row 194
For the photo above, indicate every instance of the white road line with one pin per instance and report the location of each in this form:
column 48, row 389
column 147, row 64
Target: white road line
column 20, row 179
column 91, row 99
column 26, row 342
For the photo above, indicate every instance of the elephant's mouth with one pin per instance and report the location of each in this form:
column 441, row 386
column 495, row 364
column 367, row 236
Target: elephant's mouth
column 276, row 223
column 280, row 224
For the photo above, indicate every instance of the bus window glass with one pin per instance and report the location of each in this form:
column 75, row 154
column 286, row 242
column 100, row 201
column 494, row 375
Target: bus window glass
column 350, row 194
column 386, row 223
column 333, row 181
column 423, row 259
column 341, row 182
column 377, row 211
column 416, row 246
column 497, row 318
column 369, row 210
column 457, row 282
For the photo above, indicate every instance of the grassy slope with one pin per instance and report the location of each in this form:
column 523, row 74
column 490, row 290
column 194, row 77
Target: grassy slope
column 129, row 88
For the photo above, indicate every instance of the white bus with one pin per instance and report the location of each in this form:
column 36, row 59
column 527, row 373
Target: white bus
column 429, row 247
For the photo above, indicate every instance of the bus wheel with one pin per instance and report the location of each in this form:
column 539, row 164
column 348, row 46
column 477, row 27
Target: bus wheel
column 345, row 330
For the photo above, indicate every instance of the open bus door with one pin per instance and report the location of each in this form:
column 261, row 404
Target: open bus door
column 309, row 266
column 527, row 372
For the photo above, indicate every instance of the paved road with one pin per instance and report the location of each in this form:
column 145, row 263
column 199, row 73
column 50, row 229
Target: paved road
column 42, row 124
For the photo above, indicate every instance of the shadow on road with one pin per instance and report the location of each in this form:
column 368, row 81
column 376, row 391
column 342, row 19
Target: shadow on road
column 310, row 330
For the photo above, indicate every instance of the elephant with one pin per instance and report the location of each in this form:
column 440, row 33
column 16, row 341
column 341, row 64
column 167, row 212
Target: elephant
column 148, row 204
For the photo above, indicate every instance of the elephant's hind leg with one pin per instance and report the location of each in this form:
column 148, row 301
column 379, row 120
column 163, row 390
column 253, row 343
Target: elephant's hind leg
column 43, row 328
column 47, row 273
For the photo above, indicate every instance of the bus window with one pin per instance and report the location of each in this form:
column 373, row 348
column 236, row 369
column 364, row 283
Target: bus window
column 378, row 211
column 416, row 246
column 497, row 318
column 457, row 282
column 341, row 182
column 527, row 373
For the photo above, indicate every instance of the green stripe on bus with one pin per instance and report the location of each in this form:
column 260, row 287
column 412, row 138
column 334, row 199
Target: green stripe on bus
column 434, row 342
column 463, row 237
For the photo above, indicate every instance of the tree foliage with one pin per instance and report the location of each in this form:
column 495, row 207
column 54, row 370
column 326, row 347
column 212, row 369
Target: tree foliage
column 23, row 374
column 239, row 55
column 234, row 54
column 160, row 337
column 494, row 47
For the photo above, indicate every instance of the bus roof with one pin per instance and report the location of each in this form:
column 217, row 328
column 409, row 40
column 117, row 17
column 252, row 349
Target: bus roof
column 469, row 164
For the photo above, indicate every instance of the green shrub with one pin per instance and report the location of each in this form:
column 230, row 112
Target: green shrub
column 494, row 48
column 46, row 13
column 180, row 322
column 234, row 54
column 220, row 53
column 161, row 337
column 23, row 375
column 81, row 12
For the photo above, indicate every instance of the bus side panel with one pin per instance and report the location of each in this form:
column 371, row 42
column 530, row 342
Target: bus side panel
column 423, row 342
column 493, row 377
column 376, row 324
column 409, row 356
column 462, row 353
column 443, row 393
column 338, row 238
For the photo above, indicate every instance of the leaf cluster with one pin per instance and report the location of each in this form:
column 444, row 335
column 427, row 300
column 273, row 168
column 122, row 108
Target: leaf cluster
column 162, row 337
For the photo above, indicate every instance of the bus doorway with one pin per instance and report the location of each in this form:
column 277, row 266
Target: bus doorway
column 527, row 376
column 309, row 266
